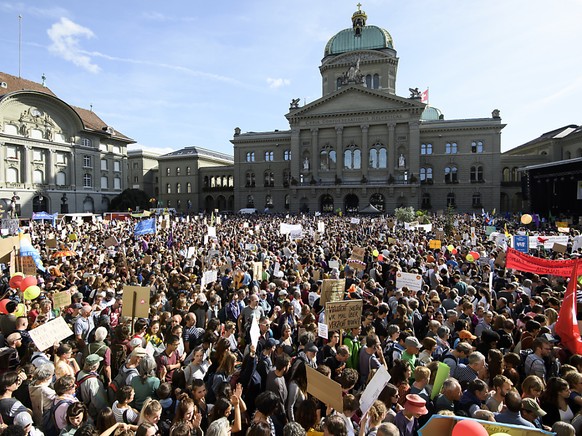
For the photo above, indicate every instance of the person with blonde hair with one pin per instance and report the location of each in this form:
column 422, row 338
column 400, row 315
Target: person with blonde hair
column 150, row 413
column 373, row 418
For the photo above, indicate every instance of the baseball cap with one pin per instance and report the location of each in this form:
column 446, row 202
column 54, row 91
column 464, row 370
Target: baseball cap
column 92, row 359
column 271, row 343
column 76, row 306
column 138, row 352
column 311, row 347
column 466, row 334
column 531, row 405
column 411, row 341
column 23, row 419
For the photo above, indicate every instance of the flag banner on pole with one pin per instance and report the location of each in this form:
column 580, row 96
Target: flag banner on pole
column 524, row 262
column 424, row 96
column 567, row 325
column 145, row 227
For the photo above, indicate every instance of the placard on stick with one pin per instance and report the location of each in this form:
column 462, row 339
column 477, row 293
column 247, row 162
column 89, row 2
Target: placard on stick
column 28, row 265
column 62, row 299
column 332, row 290
column 51, row 243
column 46, row 335
column 324, row 389
column 343, row 314
column 142, row 301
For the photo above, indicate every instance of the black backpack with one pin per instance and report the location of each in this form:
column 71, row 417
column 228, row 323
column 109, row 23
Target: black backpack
column 49, row 424
column 118, row 358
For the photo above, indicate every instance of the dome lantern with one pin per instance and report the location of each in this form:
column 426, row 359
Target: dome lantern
column 359, row 20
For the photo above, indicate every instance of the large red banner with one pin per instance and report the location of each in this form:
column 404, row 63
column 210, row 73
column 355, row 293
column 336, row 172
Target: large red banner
column 524, row 262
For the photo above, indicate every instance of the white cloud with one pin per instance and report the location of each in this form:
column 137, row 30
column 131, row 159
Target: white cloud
column 65, row 36
column 277, row 83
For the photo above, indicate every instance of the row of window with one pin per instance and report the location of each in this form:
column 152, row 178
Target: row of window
column 452, row 148
column 451, row 174
column 218, row 182
column 179, row 171
column 426, row 202
column 179, row 188
column 38, row 177
column 268, row 156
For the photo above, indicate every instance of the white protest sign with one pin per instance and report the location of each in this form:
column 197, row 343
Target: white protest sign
column 334, row 264
column 321, row 227
column 548, row 241
column 285, row 228
column 374, row 388
column 255, row 332
column 212, row 232
column 296, row 234
column 410, row 280
column 355, row 221
column 46, row 335
column 322, row 331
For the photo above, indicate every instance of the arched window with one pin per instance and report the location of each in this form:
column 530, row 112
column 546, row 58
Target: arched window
column 426, row 175
column 188, row 171
column 425, row 202
column 269, row 156
column 505, row 175
column 37, row 177
column 476, row 201
column 451, row 174
column 104, row 164
column 287, row 155
column 178, row 204
column 178, row 171
column 352, row 157
column 250, row 177
column 188, row 188
column 567, row 155
column 451, row 148
column 117, row 182
column 327, row 158
column 178, row 188
column 213, row 182
column 61, row 178
column 376, row 82
column 338, row 83
column 269, row 201
column 451, row 200
column 206, row 182
column 378, row 156
column 104, row 182
column 168, row 189
column 287, row 201
column 515, row 175
column 250, row 157
column 368, row 81
column 230, row 181
column 477, row 147
column 167, row 171
column 250, row 201
column 269, row 179
column 476, row 173
column 426, row 148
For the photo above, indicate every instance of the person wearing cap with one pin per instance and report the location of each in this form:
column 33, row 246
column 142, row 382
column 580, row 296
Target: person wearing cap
column 24, row 420
column 308, row 355
column 512, row 413
column 128, row 370
column 91, row 390
column 411, row 350
column 10, row 354
column 407, row 419
column 532, row 412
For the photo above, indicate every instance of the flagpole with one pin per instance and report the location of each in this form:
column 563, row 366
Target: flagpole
column 19, row 45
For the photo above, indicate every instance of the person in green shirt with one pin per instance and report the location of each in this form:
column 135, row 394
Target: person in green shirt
column 409, row 354
column 352, row 341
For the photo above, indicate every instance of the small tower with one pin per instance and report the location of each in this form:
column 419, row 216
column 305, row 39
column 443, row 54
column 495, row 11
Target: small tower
column 359, row 20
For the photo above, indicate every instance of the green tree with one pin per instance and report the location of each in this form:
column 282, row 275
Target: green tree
column 404, row 214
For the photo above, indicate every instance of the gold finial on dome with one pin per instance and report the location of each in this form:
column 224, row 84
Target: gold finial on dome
column 359, row 20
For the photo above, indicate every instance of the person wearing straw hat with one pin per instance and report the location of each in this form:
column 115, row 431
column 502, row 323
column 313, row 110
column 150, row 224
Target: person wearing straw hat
column 407, row 419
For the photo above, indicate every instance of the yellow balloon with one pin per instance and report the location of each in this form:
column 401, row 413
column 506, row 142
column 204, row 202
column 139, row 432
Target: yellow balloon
column 500, row 434
column 450, row 247
column 20, row 310
column 31, row 292
column 526, row 218
column 470, row 257
column 17, row 274
column 375, row 253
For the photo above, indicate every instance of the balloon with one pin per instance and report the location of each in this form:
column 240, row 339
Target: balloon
column 3, row 304
column 31, row 292
column 468, row 427
column 450, row 247
column 430, row 258
column 475, row 254
column 500, row 434
column 455, row 251
column 380, row 257
column 375, row 253
column 526, row 218
column 27, row 282
column 470, row 257
column 20, row 310
column 15, row 281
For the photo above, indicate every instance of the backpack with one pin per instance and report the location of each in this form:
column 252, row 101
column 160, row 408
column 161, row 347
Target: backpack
column 78, row 383
column 49, row 424
column 522, row 358
column 119, row 381
column 118, row 358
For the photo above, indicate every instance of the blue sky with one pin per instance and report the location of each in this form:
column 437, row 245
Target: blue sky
column 179, row 73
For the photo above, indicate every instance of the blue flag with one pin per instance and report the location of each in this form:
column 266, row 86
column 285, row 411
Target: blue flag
column 145, row 227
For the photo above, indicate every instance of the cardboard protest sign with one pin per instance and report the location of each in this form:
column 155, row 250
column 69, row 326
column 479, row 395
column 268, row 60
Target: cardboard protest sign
column 410, row 280
column 111, row 242
column 316, row 274
column 258, row 270
column 147, row 259
column 439, row 234
column 332, row 290
column 559, row 248
column 62, row 299
column 334, row 264
column 46, row 335
column 7, row 245
column 356, row 259
column 374, row 388
column 324, row 389
column 562, row 224
column 51, row 243
column 142, row 301
column 343, row 314
column 28, row 265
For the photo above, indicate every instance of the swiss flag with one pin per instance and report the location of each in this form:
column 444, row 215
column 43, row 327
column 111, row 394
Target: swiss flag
column 424, row 96
column 567, row 324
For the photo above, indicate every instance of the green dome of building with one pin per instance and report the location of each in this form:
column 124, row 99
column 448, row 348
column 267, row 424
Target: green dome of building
column 359, row 37
column 431, row 114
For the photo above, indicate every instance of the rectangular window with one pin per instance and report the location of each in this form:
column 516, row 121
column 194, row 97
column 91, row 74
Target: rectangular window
column 104, row 164
column 116, row 183
column 134, row 165
column 37, row 155
column 11, row 152
column 87, row 181
column 117, row 166
column 61, row 158
column 104, row 182
column 135, row 179
column 87, row 161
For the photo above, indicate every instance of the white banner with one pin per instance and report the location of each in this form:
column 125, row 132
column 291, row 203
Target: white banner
column 547, row 241
column 410, row 280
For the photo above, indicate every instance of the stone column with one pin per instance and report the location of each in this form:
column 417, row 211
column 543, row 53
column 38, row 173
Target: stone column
column 3, row 162
column 392, row 157
column 413, row 158
column 50, row 167
column 339, row 167
column 72, row 165
column 314, row 153
column 27, row 164
column 296, row 161
column 365, row 159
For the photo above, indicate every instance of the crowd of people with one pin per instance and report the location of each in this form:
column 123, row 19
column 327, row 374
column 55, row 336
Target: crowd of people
column 191, row 367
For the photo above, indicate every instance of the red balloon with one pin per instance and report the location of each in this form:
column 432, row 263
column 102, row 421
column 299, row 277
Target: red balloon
column 15, row 282
column 469, row 427
column 455, row 251
column 3, row 306
column 28, row 281
column 475, row 254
